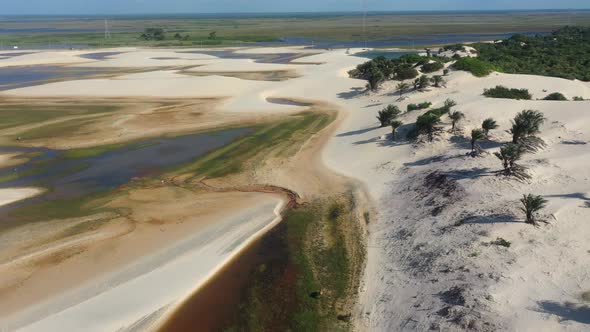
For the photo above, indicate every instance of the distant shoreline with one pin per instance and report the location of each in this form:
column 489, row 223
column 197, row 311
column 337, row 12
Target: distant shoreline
column 291, row 14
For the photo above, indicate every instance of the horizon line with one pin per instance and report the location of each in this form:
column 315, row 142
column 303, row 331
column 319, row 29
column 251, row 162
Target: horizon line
column 306, row 12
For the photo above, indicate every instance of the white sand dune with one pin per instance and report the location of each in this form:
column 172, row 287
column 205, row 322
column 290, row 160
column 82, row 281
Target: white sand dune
column 242, row 65
column 526, row 286
column 45, row 58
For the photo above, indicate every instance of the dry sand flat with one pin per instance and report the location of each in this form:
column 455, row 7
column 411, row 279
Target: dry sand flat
column 163, row 254
column 11, row 195
column 133, row 119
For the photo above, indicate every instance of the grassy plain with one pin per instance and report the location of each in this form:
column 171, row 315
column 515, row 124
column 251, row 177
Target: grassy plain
column 259, row 28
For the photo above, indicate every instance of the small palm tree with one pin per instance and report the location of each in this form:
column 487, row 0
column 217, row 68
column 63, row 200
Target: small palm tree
column 509, row 154
column 476, row 135
column 394, row 126
column 427, row 123
column 531, row 204
column 526, row 123
column 387, row 114
column 487, row 125
column 423, row 82
column 402, row 87
column 438, row 81
column 450, row 103
column 456, row 117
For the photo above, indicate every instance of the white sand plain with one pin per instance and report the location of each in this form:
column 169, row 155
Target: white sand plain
column 416, row 255
column 11, row 195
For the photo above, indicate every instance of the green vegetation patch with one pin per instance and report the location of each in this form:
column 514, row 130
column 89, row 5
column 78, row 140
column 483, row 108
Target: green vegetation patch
column 73, row 126
column 558, row 96
column 477, row 67
column 278, row 139
column 432, row 67
column 310, row 292
column 565, row 53
column 14, row 115
column 504, row 92
column 421, row 106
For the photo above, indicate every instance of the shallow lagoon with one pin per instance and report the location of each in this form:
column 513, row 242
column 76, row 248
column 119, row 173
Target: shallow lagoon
column 69, row 177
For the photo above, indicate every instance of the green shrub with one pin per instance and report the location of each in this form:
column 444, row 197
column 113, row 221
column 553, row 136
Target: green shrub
column 432, row 67
column 410, row 58
column 454, row 47
column 555, row 96
column 504, row 92
column 578, row 98
column 405, row 73
column 475, row 66
column 421, row 106
column 501, row 242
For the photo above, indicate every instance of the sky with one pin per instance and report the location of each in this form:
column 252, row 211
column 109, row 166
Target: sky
column 57, row 7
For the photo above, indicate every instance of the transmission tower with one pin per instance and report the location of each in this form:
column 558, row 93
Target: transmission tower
column 364, row 21
column 107, row 30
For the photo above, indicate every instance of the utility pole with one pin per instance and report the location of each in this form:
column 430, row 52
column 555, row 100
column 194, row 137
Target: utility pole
column 364, row 22
column 107, row 31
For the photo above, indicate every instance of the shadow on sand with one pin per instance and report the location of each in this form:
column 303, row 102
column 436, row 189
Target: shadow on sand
column 491, row 219
column 353, row 93
column 566, row 311
column 580, row 196
column 357, row 132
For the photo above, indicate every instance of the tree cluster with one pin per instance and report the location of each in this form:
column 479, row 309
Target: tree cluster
column 382, row 69
column 565, row 53
column 153, row 34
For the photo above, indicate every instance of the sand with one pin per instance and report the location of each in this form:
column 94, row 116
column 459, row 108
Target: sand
column 532, row 285
column 417, row 255
column 181, row 255
column 11, row 195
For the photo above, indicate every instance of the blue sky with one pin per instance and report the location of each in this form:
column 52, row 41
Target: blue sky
column 215, row 6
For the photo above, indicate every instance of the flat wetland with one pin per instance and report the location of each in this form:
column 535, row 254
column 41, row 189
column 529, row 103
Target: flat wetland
column 247, row 29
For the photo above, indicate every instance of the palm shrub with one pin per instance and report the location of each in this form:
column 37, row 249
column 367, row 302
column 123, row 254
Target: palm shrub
column 525, row 126
column 531, row 204
column 449, row 103
column 387, row 114
column 476, row 135
column 421, row 82
column 438, row 81
column 395, row 124
column 426, row 123
column 487, row 125
column 376, row 77
column 456, row 117
column 402, row 87
column 509, row 155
